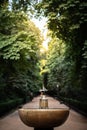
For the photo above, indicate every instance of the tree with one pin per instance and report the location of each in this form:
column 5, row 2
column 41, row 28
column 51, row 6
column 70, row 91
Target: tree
column 68, row 21
column 55, row 65
column 19, row 53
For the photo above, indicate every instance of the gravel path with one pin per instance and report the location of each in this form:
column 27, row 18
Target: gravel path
column 75, row 120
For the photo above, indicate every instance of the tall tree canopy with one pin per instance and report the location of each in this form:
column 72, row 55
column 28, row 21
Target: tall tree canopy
column 20, row 42
column 68, row 21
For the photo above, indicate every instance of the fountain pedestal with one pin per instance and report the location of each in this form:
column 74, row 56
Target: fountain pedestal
column 43, row 103
column 43, row 128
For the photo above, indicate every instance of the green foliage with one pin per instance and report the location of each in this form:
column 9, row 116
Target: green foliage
column 20, row 40
column 20, row 5
column 68, row 21
column 2, row 87
column 65, row 18
column 17, row 36
column 85, row 55
column 8, row 105
column 16, row 4
column 78, row 105
column 55, row 62
column 67, row 55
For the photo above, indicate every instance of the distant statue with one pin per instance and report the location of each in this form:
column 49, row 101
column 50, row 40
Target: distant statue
column 45, row 79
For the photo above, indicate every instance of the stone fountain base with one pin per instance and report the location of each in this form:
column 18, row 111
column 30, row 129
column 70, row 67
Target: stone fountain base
column 44, row 119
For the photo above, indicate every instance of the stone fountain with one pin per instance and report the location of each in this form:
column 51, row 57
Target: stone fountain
column 43, row 118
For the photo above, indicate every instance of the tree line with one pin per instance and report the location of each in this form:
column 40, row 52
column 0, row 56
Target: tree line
column 20, row 42
column 67, row 54
column 66, row 67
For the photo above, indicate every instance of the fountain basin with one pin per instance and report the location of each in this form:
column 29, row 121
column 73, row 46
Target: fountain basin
column 43, row 118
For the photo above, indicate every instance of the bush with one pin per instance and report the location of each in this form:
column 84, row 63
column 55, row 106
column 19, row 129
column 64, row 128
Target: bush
column 81, row 106
column 9, row 105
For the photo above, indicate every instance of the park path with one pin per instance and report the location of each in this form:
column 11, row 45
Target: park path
column 75, row 120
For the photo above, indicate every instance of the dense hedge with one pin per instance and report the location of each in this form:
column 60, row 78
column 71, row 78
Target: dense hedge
column 9, row 105
column 79, row 105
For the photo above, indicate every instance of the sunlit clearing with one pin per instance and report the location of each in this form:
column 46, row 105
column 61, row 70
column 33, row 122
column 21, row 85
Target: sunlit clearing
column 45, row 44
column 41, row 24
column 42, row 50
